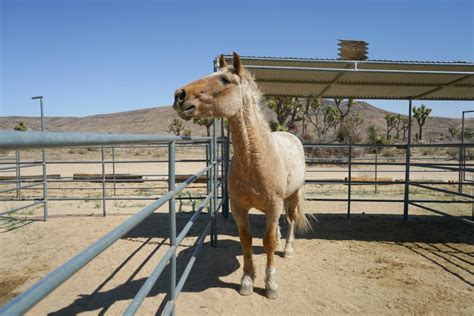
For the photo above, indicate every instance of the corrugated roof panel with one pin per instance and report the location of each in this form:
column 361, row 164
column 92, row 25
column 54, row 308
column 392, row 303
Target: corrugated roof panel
column 363, row 79
column 453, row 93
column 466, row 82
column 292, row 62
column 293, row 75
column 363, row 91
column 290, row 89
column 418, row 66
column 401, row 78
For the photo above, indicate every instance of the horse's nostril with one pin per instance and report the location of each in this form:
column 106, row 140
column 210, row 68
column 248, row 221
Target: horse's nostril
column 181, row 95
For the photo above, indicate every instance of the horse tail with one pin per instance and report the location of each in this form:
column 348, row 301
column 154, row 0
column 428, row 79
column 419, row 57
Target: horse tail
column 303, row 220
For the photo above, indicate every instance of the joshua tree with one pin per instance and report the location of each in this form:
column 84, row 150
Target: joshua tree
column 348, row 133
column 322, row 117
column 373, row 136
column 343, row 113
column 175, row 126
column 20, row 126
column 204, row 121
column 277, row 127
column 288, row 110
column 421, row 114
column 454, row 132
column 391, row 121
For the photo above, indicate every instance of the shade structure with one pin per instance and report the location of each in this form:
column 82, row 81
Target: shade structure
column 369, row 79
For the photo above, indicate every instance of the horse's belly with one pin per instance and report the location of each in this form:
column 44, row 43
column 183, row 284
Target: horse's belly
column 249, row 194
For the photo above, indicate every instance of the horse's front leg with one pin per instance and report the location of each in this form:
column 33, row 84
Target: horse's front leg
column 269, row 243
column 240, row 215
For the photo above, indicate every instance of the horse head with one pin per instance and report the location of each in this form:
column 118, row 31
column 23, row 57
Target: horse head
column 216, row 95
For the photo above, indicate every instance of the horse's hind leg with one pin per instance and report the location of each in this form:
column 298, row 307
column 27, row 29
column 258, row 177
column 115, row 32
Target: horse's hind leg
column 291, row 203
column 269, row 243
column 241, row 218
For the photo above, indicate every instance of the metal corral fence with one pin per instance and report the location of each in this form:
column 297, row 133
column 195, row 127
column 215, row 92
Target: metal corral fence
column 106, row 186
column 406, row 160
column 32, row 140
column 408, row 164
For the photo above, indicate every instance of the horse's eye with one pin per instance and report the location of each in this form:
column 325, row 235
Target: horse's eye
column 225, row 80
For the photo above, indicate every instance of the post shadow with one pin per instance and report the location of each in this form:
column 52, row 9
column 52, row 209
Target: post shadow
column 209, row 268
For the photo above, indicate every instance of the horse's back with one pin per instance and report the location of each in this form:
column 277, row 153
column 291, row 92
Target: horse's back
column 292, row 152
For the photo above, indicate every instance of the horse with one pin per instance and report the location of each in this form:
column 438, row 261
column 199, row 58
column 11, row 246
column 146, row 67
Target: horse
column 267, row 169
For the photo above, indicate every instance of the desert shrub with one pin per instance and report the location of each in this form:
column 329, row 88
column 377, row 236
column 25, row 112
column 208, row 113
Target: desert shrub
column 334, row 152
column 80, row 151
column 187, row 132
column 453, row 153
column 277, row 127
column 20, row 126
column 389, row 152
column 430, row 151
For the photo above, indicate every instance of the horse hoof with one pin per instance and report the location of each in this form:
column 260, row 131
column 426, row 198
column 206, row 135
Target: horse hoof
column 245, row 290
column 288, row 253
column 246, row 285
column 271, row 294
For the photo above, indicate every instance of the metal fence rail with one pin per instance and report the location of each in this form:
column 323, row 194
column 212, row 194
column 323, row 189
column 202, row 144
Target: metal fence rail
column 25, row 140
column 106, row 183
column 349, row 161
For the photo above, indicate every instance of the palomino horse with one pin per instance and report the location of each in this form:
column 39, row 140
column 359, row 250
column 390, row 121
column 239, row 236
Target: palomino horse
column 267, row 169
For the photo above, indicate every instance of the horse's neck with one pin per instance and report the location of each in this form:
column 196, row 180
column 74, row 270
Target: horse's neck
column 250, row 136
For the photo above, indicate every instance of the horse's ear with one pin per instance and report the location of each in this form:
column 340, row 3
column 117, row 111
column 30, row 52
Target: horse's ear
column 237, row 64
column 222, row 62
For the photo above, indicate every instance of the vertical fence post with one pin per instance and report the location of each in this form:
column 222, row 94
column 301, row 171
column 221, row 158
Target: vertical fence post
column 18, row 175
column 349, row 184
column 45, row 186
column 406, row 199
column 45, row 172
column 215, row 185
column 208, row 163
column 172, row 219
column 376, row 163
column 211, row 187
column 225, row 194
column 103, row 180
column 221, row 156
column 461, row 156
column 113, row 169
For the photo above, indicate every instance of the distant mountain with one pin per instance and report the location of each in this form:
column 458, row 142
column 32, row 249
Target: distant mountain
column 155, row 121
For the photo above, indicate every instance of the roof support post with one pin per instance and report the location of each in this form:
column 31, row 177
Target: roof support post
column 406, row 199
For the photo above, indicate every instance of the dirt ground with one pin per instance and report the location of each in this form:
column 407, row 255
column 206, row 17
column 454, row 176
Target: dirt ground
column 372, row 263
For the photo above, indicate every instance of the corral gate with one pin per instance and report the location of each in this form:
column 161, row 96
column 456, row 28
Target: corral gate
column 32, row 140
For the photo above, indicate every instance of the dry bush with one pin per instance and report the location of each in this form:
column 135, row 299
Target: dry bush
column 334, row 152
column 80, row 151
column 389, row 152
column 4, row 153
column 431, row 151
column 453, row 153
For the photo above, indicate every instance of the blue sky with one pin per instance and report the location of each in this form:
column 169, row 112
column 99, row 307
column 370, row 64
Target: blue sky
column 89, row 57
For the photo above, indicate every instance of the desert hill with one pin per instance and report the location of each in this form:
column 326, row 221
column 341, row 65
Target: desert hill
column 155, row 121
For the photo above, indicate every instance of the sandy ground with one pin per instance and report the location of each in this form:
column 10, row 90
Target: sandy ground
column 372, row 263
column 368, row 264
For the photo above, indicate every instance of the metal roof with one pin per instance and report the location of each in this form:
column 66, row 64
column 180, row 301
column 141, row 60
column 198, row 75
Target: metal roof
column 368, row 79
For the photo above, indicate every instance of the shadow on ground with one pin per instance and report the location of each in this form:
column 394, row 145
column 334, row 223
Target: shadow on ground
column 210, row 268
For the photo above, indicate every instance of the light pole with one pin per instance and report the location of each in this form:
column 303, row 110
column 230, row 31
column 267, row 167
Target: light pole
column 43, row 154
column 41, row 106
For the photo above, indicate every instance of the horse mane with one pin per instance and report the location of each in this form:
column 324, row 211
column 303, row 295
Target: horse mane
column 253, row 100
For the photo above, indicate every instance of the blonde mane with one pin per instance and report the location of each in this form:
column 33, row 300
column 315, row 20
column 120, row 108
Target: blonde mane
column 252, row 99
